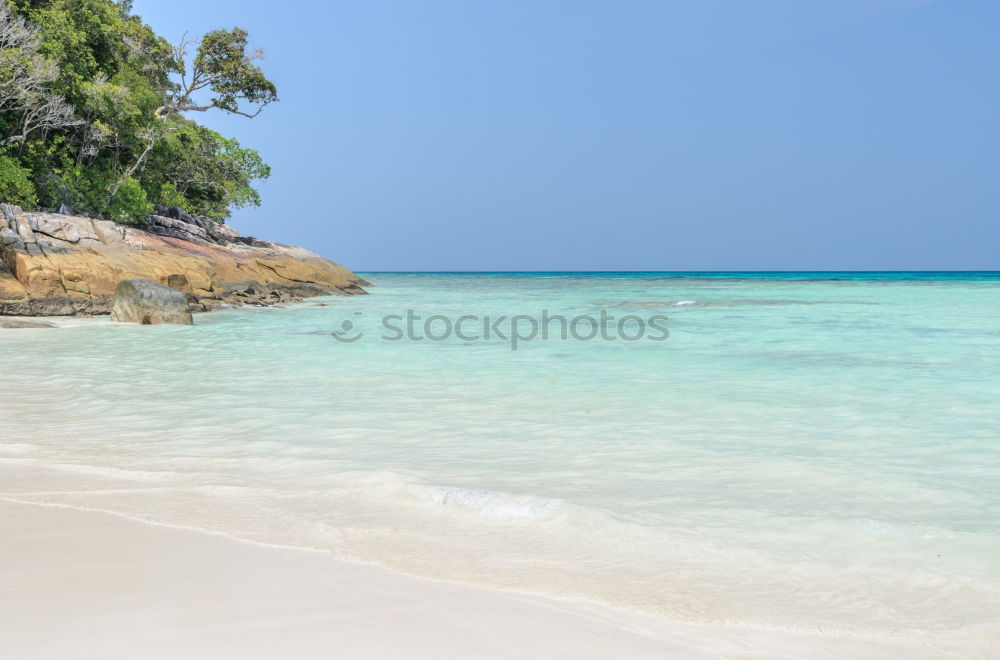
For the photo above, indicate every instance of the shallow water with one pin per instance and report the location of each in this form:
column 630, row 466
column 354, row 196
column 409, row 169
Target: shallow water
column 816, row 451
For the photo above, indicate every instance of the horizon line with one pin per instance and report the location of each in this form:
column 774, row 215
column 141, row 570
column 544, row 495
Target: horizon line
column 437, row 272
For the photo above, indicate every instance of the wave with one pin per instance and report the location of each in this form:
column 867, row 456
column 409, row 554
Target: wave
column 487, row 504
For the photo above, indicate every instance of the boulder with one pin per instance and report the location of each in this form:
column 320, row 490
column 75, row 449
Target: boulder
column 172, row 212
column 149, row 303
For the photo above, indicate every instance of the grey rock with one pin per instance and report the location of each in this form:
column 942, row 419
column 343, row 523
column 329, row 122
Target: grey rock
column 251, row 241
column 174, row 213
column 9, row 237
column 179, row 225
column 20, row 323
column 176, row 220
column 22, row 225
column 71, row 230
column 9, row 216
column 149, row 303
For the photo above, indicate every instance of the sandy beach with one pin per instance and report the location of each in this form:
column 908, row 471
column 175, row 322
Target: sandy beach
column 88, row 584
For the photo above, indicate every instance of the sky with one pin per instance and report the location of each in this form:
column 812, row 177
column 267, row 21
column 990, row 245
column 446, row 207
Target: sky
column 623, row 134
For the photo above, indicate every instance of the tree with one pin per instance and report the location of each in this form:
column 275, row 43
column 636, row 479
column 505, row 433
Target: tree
column 224, row 65
column 26, row 77
column 94, row 105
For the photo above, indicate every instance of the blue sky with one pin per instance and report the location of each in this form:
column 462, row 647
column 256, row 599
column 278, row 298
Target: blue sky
column 623, row 135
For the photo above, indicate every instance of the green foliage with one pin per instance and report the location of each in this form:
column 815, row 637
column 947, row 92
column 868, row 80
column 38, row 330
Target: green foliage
column 168, row 195
column 130, row 206
column 227, row 64
column 84, row 188
column 212, row 174
column 128, row 144
column 15, row 184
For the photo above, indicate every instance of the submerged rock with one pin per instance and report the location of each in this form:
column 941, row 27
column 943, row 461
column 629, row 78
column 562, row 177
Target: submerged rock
column 22, row 323
column 149, row 303
column 62, row 265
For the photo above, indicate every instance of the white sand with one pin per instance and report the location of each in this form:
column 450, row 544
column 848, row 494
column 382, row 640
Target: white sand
column 84, row 584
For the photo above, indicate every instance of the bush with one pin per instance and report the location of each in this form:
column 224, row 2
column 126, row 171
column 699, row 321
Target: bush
column 131, row 205
column 170, row 196
column 15, row 184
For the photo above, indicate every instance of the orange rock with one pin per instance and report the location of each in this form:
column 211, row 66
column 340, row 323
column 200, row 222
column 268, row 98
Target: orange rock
column 63, row 265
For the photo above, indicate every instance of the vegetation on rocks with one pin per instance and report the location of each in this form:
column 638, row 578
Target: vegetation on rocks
column 94, row 105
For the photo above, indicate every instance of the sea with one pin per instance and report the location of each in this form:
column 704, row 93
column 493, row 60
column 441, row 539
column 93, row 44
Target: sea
column 810, row 451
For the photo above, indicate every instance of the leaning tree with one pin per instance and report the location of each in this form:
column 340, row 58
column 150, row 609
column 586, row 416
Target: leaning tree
column 225, row 69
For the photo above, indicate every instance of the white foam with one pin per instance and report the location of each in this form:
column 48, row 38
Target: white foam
column 486, row 504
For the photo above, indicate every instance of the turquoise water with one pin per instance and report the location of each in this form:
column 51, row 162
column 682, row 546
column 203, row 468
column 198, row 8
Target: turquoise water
column 818, row 450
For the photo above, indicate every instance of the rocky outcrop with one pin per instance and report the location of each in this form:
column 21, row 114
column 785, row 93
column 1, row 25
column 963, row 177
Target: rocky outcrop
column 149, row 303
column 53, row 265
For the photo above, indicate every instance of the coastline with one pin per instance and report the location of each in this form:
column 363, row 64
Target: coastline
column 62, row 265
column 92, row 584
